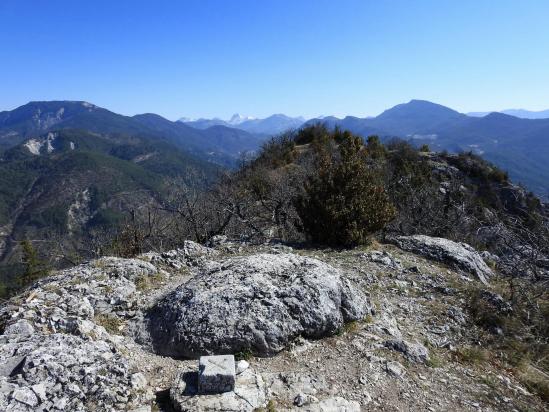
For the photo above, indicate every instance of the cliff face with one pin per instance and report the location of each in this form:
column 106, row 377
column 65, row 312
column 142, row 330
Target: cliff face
column 81, row 339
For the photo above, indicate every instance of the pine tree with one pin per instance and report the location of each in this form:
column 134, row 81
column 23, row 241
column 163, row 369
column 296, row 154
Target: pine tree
column 345, row 202
column 35, row 268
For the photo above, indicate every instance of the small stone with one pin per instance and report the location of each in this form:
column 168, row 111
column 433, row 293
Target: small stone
column 12, row 365
column 26, row 396
column 138, row 381
column 21, row 327
column 415, row 352
column 241, row 366
column 395, row 369
column 40, row 391
column 216, row 374
column 303, row 399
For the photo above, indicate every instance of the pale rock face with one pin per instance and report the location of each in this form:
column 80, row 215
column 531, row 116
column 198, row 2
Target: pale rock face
column 460, row 255
column 256, row 303
column 34, row 146
column 49, row 140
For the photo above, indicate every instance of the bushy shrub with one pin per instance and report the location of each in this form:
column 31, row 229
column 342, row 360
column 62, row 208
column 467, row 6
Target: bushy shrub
column 345, row 202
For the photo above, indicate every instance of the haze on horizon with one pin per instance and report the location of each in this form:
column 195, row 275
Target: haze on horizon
column 306, row 58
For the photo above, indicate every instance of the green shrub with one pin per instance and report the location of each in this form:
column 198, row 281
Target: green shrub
column 344, row 202
column 35, row 268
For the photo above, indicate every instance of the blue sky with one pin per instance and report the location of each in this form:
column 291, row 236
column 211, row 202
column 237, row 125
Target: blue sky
column 214, row 58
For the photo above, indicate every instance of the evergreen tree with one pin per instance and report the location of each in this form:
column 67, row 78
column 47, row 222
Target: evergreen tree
column 345, row 202
column 35, row 268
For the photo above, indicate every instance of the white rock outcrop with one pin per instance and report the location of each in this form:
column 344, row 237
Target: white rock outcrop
column 54, row 349
column 459, row 255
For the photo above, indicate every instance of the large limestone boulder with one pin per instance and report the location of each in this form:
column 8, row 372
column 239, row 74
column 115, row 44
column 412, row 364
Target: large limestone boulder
column 255, row 303
column 459, row 255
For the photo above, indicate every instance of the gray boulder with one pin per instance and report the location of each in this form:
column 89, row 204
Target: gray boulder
column 255, row 303
column 459, row 255
column 414, row 352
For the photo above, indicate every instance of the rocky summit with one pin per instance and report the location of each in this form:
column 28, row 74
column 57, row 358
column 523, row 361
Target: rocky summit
column 376, row 328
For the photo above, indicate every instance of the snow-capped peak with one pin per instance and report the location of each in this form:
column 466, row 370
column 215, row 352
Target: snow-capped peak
column 188, row 119
column 237, row 119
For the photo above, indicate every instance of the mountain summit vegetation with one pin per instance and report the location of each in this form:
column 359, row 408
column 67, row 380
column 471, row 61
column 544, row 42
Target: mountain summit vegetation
column 79, row 180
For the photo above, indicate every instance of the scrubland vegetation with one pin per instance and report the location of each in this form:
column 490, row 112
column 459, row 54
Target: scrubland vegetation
column 322, row 187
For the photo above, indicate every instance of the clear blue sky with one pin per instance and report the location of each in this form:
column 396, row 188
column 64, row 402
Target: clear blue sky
column 214, row 58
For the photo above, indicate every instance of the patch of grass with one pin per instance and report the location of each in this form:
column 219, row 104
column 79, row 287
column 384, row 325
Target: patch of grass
column 351, row 327
column 523, row 344
column 75, row 281
column 368, row 319
column 271, row 407
column 111, row 323
column 144, row 283
column 434, row 361
column 536, row 382
column 108, row 289
column 244, row 354
column 52, row 288
column 473, row 354
column 100, row 264
column 489, row 381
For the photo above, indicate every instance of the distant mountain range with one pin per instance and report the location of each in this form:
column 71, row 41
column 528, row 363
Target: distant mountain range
column 521, row 113
column 69, row 167
column 521, row 146
column 219, row 144
column 275, row 124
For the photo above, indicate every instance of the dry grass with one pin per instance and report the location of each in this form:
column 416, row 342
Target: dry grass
column 473, row 354
column 144, row 283
column 111, row 323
